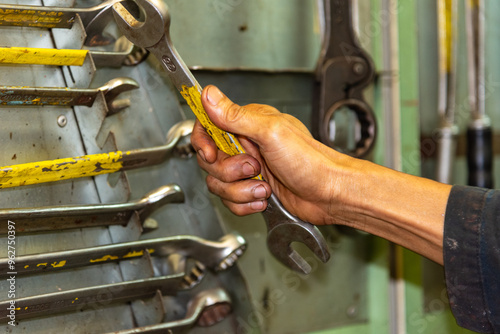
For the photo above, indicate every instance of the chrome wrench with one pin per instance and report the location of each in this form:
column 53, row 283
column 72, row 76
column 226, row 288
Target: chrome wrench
column 94, row 19
column 59, row 96
column 153, row 35
column 89, row 297
column 205, row 309
column 101, row 163
column 52, row 218
column 214, row 255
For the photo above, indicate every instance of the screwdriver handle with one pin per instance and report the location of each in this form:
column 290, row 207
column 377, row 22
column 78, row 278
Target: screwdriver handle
column 480, row 156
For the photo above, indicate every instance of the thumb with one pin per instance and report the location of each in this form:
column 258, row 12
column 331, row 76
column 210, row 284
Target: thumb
column 228, row 116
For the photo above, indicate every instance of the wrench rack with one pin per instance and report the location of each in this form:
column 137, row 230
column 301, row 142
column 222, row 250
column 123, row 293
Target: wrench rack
column 41, row 133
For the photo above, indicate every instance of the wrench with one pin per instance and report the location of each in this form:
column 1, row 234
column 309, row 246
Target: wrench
column 214, row 255
column 53, row 218
column 94, row 19
column 153, row 35
column 205, row 309
column 124, row 54
column 36, row 96
column 88, row 297
column 97, row 164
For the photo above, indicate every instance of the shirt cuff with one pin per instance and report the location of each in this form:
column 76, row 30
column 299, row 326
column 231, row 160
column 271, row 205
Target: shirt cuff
column 471, row 249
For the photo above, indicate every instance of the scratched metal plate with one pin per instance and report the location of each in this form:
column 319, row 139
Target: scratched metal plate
column 32, row 134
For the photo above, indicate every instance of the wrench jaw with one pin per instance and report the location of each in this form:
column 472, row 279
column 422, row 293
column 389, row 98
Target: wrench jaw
column 113, row 88
column 171, row 193
column 140, row 33
column 279, row 242
column 284, row 228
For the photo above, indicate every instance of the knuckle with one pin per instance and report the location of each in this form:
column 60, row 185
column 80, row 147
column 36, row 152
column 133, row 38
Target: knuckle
column 235, row 113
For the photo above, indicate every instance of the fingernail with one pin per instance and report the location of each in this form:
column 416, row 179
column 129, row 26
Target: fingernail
column 258, row 206
column 202, row 155
column 259, row 192
column 214, row 95
column 248, row 169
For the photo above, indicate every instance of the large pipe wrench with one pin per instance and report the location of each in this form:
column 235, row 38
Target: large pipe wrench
column 153, row 34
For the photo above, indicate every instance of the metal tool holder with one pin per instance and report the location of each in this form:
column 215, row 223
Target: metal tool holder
column 41, row 133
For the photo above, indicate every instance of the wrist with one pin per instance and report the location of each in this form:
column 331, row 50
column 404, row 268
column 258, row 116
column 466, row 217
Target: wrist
column 402, row 208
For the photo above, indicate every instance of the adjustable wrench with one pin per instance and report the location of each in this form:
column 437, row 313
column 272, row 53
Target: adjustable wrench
column 53, row 218
column 94, row 19
column 153, row 35
column 36, row 96
column 214, row 255
column 205, row 309
column 97, row 164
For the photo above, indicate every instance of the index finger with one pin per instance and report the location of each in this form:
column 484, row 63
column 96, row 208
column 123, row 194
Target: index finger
column 203, row 143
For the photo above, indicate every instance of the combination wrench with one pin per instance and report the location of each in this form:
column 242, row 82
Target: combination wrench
column 94, row 19
column 54, row 218
column 178, row 279
column 153, row 34
column 59, row 96
column 205, row 309
column 214, row 255
column 98, row 164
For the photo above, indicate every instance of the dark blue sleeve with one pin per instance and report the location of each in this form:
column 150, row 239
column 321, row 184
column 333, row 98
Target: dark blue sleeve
column 471, row 247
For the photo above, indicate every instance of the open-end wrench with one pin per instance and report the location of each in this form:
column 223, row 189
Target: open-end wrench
column 205, row 309
column 54, row 218
column 153, row 35
column 89, row 297
column 97, row 164
column 58, row 96
column 214, row 255
column 94, row 19
column 125, row 55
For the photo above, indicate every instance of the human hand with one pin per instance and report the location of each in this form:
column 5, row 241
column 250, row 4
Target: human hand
column 297, row 168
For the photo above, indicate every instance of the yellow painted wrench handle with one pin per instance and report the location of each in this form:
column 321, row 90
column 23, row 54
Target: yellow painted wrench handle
column 60, row 169
column 36, row 56
column 225, row 141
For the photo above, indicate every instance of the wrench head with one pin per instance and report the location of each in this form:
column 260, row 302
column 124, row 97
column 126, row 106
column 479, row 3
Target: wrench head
column 283, row 229
column 180, row 136
column 279, row 242
column 113, row 88
column 149, row 32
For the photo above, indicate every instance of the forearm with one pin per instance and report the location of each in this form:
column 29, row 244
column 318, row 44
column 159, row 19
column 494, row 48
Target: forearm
column 402, row 208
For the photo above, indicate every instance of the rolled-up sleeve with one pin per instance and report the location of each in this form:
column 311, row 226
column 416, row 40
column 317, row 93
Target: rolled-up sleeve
column 471, row 248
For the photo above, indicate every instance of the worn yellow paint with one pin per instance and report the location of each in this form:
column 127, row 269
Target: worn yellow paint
column 26, row 266
column 32, row 18
column 58, row 264
column 36, row 56
column 104, row 258
column 60, row 169
column 42, row 264
column 133, row 254
column 225, row 141
column 74, row 300
column 137, row 253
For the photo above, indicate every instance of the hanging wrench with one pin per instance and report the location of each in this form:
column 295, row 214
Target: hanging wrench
column 214, row 255
column 62, row 96
column 54, row 218
column 205, row 309
column 94, row 19
column 153, row 34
